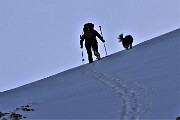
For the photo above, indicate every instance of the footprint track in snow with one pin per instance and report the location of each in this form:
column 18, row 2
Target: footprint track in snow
column 130, row 108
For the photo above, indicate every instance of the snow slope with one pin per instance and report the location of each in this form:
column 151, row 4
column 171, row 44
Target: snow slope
column 141, row 83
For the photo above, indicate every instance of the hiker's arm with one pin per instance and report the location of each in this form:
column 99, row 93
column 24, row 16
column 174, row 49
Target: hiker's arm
column 100, row 37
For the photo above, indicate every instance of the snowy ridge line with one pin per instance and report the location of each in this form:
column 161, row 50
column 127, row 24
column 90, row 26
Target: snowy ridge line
column 130, row 109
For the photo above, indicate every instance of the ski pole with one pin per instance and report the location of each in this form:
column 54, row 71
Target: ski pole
column 82, row 51
column 103, row 42
column 82, row 55
column 105, row 50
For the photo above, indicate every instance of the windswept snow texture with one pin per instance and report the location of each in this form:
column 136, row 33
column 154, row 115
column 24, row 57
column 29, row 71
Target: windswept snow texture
column 141, row 83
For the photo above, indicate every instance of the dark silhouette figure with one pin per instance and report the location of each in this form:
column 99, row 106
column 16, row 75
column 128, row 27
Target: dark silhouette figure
column 178, row 118
column 90, row 41
column 126, row 41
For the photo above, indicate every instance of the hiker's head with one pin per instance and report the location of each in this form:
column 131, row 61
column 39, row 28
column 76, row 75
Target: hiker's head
column 88, row 26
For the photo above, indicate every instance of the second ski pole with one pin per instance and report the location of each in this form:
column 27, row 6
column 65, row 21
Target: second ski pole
column 103, row 42
column 82, row 55
column 82, row 51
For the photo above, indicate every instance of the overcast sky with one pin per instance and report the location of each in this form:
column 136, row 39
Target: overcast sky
column 39, row 38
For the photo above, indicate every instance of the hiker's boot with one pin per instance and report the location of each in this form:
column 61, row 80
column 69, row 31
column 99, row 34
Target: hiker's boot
column 97, row 55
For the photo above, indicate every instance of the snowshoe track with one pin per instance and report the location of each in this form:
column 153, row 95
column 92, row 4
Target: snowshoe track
column 130, row 108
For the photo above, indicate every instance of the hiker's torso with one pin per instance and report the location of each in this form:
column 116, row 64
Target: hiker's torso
column 90, row 36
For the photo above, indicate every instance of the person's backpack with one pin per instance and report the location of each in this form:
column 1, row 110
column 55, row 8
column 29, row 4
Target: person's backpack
column 89, row 32
column 88, row 26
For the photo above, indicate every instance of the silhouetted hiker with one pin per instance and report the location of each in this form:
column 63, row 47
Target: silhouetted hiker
column 178, row 118
column 126, row 41
column 90, row 41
